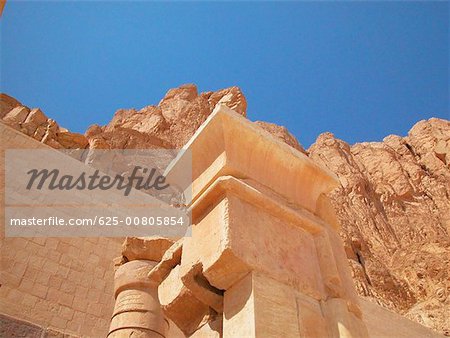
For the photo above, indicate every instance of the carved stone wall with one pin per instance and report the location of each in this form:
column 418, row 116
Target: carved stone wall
column 59, row 284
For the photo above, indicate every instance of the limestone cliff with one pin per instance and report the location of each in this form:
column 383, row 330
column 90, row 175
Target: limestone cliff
column 394, row 208
column 393, row 203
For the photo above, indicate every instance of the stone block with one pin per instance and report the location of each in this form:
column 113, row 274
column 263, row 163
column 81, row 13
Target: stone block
column 311, row 322
column 330, row 275
column 229, row 240
column 34, row 119
column 170, row 259
column 258, row 306
column 239, row 309
column 180, row 305
column 342, row 322
column 193, row 279
column 16, row 116
column 212, row 329
column 220, row 148
column 147, row 248
column 348, row 286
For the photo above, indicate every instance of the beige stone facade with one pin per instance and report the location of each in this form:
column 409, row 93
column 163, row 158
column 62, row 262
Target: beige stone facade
column 264, row 259
column 61, row 284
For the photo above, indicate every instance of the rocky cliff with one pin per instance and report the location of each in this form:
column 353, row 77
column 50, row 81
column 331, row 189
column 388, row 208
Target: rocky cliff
column 394, row 208
column 393, row 203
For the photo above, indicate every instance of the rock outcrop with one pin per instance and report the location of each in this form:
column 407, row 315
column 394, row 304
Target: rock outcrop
column 282, row 134
column 170, row 124
column 34, row 123
column 393, row 203
column 394, row 208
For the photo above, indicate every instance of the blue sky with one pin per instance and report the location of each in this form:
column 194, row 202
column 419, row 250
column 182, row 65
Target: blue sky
column 362, row 70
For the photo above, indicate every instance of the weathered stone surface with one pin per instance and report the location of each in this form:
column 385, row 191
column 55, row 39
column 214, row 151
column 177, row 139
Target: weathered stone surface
column 256, row 239
column 7, row 103
column 282, row 134
column 137, row 311
column 148, row 248
column 170, row 259
column 342, row 322
column 231, row 134
column 393, row 203
column 37, row 125
column 193, row 278
column 231, row 97
column 394, row 208
column 187, row 298
column 12, row 327
column 34, row 120
column 180, row 305
column 16, row 116
column 70, row 140
column 257, row 306
column 170, row 124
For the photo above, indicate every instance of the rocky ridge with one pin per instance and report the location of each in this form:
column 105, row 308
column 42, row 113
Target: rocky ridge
column 170, row 124
column 393, row 203
column 34, row 123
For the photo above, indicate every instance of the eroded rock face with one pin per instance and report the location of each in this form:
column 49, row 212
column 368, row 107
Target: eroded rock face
column 34, row 123
column 7, row 103
column 393, row 203
column 282, row 134
column 170, row 124
column 394, row 208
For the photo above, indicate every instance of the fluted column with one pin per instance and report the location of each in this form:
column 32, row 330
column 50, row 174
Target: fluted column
column 137, row 310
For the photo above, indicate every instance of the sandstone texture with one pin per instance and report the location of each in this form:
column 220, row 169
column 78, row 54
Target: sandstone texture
column 170, row 124
column 34, row 123
column 393, row 202
column 282, row 134
column 53, row 286
column 394, row 208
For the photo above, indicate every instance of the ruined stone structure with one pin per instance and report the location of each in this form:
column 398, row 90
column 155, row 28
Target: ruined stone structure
column 264, row 259
column 265, row 256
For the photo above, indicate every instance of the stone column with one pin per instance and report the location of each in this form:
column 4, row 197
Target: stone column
column 137, row 310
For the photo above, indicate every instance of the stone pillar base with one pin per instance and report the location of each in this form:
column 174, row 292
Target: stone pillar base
column 137, row 311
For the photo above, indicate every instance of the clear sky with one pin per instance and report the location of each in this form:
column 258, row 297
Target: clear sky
column 361, row 70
